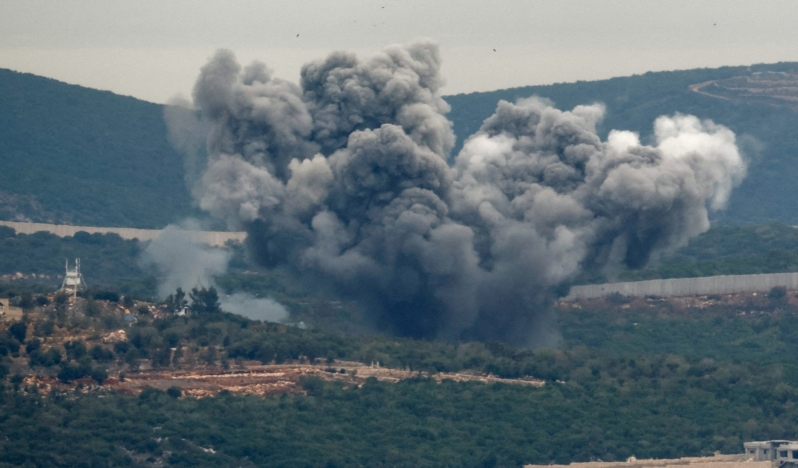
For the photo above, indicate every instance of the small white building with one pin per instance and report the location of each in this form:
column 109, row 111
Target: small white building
column 767, row 450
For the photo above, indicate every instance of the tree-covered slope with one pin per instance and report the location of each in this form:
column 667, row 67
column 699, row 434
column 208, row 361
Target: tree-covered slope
column 76, row 155
column 766, row 132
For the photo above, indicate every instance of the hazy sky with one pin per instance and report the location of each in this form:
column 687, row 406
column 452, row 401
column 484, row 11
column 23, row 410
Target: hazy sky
column 153, row 49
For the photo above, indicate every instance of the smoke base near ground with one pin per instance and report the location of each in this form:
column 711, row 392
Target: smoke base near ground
column 343, row 180
column 181, row 261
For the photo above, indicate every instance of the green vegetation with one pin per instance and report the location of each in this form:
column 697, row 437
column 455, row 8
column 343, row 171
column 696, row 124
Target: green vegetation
column 597, row 403
column 740, row 242
column 721, row 333
column 107, row 260
column 608, row 409
column 723, row 250
column 110, row 263
column 80, row 156
column 650, row 381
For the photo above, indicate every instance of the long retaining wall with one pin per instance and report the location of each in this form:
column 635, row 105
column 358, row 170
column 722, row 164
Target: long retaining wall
column 688, row 286
column 215, row 238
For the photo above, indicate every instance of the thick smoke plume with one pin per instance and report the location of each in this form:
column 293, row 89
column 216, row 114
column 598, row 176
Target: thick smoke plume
column 180, row 261
column 343, row 179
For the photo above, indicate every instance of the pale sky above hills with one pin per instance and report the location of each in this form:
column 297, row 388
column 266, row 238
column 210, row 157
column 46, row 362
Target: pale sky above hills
column 153, row 49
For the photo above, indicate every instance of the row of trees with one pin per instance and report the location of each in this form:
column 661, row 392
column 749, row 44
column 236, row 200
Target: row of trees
column 203, row 300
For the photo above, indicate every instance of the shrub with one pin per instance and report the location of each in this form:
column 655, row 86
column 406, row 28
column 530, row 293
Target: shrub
column 73, row 371
column 33, row 345
column 92, row 308
column 99, row 374
column 313, row 385
column 109, row 296
column 75, row 349
column 19, row 330
column 48, row 358
column 777, row 293
column 618, row 298
column 98, row 353
column 8, row 344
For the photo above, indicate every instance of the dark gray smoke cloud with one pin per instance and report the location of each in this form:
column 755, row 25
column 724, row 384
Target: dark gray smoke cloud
column 344, row 181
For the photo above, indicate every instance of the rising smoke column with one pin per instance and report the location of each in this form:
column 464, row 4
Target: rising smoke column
column 548, row 199
column 343, row 180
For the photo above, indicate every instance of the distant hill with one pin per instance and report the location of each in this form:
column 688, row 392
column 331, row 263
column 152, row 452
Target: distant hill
column 758, row 103
column 75, row 155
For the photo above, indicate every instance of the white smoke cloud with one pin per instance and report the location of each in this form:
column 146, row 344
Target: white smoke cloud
column 255, row 308
column 181, row 261
column 344, row 180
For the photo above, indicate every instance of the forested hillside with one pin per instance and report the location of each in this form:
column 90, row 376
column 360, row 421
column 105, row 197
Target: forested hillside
column 649, row 383
column 77, row 155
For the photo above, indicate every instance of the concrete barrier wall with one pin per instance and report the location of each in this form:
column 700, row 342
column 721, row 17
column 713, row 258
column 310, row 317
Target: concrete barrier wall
column 215, row 238
column 689, row 286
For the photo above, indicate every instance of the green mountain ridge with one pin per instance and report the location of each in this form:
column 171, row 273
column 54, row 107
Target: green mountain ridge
column 75, row 155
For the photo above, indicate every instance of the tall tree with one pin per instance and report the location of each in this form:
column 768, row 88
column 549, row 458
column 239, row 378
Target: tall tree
column 205, row 301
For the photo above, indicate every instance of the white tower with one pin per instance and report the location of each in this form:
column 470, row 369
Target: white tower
column 73, row 280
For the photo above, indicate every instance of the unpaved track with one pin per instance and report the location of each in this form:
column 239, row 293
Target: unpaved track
column 262, row 380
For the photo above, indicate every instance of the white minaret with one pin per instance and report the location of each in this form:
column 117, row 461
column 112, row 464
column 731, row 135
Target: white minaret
column 73, row 280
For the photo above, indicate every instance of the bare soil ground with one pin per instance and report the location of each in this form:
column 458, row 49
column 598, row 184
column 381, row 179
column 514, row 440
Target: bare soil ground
column 253, row 378
column 201, row 380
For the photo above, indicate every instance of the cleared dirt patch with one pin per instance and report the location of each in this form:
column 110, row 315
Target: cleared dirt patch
column 262, row 380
